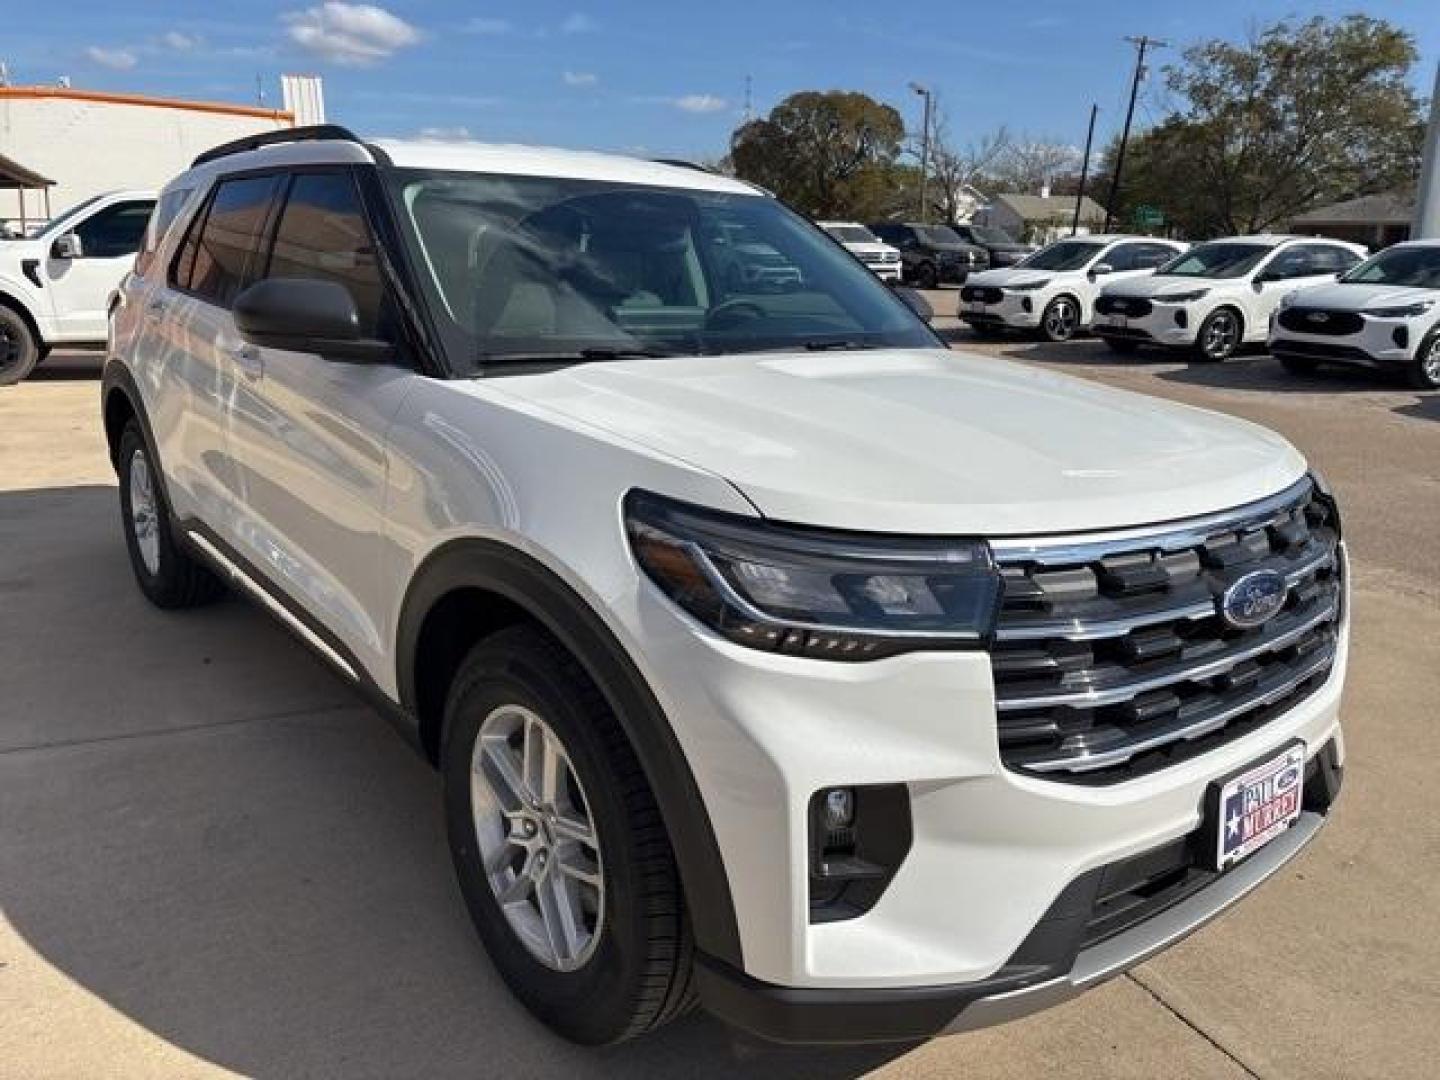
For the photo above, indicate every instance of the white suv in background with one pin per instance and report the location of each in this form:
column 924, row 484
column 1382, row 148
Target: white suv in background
column 1218, row 295
column 773, row 655
column 55, row 287
column 1385, row 314
column 1054, row 289
column 882, row 259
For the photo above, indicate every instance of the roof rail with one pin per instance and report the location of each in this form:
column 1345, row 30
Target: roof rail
column 313, row 133
column 681, row 163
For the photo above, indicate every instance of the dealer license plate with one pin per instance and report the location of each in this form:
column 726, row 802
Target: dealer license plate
column 1119, row 321
column 977, row 305
column 1253, row 807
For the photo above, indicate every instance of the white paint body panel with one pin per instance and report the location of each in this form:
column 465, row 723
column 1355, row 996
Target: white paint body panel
column 1377, row 334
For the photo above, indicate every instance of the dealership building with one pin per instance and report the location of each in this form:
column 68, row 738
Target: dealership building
column 60, row 145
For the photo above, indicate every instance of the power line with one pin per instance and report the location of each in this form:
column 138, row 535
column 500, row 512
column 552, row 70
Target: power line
column 1142, row 43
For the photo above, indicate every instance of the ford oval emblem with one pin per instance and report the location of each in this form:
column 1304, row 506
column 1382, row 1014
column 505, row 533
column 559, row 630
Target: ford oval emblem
column 1319, row 316
column 1255, row 599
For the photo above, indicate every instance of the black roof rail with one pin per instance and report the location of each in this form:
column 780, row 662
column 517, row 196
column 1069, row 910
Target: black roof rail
column 313, row 133
column 681, row 163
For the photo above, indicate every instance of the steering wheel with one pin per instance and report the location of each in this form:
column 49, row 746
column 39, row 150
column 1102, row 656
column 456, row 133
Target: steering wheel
column 731, row 312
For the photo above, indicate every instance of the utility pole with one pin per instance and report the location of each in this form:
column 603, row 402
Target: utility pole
column 1143, row 42
column 1084, row 170
column 924, row 153
column 749, row 111
column 1427, row 196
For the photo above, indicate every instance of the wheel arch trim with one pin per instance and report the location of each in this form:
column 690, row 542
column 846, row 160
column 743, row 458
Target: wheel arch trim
column 521, row 579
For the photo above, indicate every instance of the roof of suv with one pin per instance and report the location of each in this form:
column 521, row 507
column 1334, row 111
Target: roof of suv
column 330, row 145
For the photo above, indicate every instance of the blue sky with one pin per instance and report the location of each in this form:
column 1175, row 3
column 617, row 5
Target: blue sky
column 643, row 76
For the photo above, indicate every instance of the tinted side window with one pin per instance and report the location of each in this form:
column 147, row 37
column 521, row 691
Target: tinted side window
column 1155, row 255
column 160, row 222
column 1290, row 263
column 1327, row 259
column 222, row 262
column 323, row 235
column 1125, row 257
column 115, row 231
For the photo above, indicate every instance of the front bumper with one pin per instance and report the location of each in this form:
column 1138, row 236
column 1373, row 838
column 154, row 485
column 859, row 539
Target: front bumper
column 1159, row 326
column 1018, row 310
column 1051, row 967
column 1374, row 346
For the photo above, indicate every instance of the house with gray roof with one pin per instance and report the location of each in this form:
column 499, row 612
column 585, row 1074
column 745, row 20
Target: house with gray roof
column 1039, row 219
column 1377, row 221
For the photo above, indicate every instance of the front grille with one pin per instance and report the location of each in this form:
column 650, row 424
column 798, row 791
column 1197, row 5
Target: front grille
column 984, row 293
column 1111, row 658
column 1123, row 305
column 1322, row 350
column 1318, row 321
column 1133, row 332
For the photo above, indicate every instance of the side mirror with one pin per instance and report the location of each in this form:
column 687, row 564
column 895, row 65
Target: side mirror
column 305, row 315
column 67, row 246
column 914, row 301
column 1101, row 269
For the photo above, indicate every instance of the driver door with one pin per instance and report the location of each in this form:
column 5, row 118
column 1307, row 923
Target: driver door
column 79, row 287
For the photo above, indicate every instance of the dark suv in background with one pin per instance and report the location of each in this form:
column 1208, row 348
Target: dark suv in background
column 1002, row 249
column 930, row 254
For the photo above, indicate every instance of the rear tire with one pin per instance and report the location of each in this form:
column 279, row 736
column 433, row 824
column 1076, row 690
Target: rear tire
column 926, row 276
column 1220, row 335
column 1300, row 365
column 621, row 963
column 1423, row 372
column 166, row 573
column 19, row 351
column 1121, row 345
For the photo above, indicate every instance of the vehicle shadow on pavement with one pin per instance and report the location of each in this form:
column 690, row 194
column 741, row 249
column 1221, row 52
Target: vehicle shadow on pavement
column 1424, row 408
column 69, row 366
column 207, row 831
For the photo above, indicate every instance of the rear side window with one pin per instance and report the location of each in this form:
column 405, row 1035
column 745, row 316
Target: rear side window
column 323, row 235
column 160, row 221
column 115, row 231
column 218, row 259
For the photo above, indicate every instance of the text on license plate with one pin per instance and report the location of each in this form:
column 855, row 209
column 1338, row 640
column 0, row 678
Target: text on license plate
column 1259, row 805
column 1119, row 320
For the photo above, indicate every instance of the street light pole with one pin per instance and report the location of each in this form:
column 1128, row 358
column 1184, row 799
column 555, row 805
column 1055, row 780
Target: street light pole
column 1084, row 170
column 924, row 152
column 1144, row 41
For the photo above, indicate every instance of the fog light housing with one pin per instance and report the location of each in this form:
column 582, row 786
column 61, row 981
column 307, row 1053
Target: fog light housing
column 1182, row 320
column 859, row 836
column 1401, row 336
column 1026, row 304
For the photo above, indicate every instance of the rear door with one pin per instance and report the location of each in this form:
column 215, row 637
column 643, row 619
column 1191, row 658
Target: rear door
column 79, row 288
column 192, row 328
column 308, row 434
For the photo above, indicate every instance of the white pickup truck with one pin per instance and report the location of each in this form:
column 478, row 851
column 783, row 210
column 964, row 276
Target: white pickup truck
column 55, row 287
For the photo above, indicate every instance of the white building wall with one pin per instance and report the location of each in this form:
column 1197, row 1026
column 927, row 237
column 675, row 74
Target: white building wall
column 92, row 145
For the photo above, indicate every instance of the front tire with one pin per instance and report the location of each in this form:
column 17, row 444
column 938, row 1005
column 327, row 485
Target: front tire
column 19, row 351
column 1060, row 319
column 1219, row 336
column 166, row 573
column 926, row 276
column 1424, row 371
column 561, row 855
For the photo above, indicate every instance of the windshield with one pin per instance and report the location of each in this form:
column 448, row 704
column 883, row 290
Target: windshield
column 1416, row 267
column 536, row 268
column 939, row 234
column 1063, row 255
column 1222, row 260
column 987, row 235
column 57, row 224
column 851, row 234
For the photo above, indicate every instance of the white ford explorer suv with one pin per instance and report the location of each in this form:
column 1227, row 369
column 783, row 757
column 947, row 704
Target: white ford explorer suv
column 1054, row 289
column 55, row 287
column 773, row 656
column 882, row 259
column 1385, row 314
column 1218, row 295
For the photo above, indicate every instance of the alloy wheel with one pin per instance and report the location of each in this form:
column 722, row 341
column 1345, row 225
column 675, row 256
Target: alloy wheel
column 1060, row 320
column 1222, row 334
column 144, row 519
column 1430, row 365
column 536, row 838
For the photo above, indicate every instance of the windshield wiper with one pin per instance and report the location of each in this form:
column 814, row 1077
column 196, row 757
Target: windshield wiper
column 837, row 344
column 574, row 356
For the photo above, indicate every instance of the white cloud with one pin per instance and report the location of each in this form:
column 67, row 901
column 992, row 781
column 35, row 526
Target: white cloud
column 350, row 34
column 115, row 59
column 580, row 78
column 446, row 134
column 174, row 39
column 579, row 23
column 700, row 103
column 480, row 25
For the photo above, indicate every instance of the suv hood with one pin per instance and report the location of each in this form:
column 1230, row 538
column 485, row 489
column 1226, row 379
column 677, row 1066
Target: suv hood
column 868, row 247
column 921, row 441
column 1151, row 286
column 1015, row 275
column 1357, row 297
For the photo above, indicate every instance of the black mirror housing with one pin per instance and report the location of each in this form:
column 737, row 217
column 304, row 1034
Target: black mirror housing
column 305, row 315
column 67, row 246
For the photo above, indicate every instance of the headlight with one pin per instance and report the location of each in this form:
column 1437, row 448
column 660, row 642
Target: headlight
column 1183, row 297
column 1027, row 286
column 810, row 592
column 1402, row 311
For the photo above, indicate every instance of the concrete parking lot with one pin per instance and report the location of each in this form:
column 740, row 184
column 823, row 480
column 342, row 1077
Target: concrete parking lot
column 214, row 860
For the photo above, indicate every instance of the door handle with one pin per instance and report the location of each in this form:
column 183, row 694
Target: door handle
column 247, row 359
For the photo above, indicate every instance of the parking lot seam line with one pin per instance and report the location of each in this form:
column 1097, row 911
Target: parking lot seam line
column 151, row 733
column 1155, row 995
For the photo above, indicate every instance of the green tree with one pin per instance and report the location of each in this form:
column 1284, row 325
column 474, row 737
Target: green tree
column 828, row 154
column 1302, row 114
